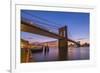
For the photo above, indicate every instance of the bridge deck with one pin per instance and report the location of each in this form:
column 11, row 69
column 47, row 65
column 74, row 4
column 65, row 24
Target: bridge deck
column 27, row 27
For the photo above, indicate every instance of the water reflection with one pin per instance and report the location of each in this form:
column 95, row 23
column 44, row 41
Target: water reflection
column 46, row 50
column 55, row 54
column 63, row 54
column 80, row 53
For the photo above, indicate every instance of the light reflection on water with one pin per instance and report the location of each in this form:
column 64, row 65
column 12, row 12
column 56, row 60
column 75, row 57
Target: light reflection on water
column 81, row 53
column 78, row 53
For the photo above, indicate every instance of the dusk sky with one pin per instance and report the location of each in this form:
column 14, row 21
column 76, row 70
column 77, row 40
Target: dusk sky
column 78, row 24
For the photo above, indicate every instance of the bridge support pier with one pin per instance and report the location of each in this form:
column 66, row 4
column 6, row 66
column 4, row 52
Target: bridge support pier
column 63, row 44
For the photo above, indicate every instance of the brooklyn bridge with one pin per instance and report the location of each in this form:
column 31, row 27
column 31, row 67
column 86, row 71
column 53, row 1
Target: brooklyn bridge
column 62, row 36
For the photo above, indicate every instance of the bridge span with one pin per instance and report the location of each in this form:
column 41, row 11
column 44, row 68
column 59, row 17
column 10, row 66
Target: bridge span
column 27, row 27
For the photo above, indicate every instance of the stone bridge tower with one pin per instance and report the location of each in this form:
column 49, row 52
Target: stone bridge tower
column 63, row 44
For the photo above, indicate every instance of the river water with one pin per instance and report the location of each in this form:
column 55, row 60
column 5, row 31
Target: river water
column 80, row 53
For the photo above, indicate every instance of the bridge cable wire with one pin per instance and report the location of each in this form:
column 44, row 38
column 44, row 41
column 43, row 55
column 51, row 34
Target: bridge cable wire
column 40, row 23
column 43, row 19
column 54, row 29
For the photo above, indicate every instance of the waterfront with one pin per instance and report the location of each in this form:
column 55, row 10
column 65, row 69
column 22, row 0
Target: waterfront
column 80, row 53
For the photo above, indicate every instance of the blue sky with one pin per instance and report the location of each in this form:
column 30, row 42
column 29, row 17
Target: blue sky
column 78, row 23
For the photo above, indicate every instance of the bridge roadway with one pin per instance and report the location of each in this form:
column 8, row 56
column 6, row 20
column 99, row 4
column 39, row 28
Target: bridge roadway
column 28, row 27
